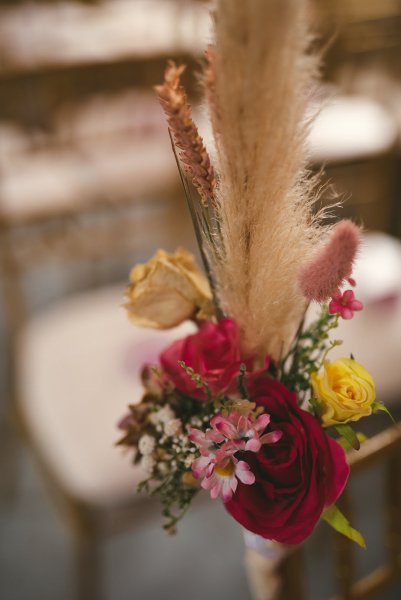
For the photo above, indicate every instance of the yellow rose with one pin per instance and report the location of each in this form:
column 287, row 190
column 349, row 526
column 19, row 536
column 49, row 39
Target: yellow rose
column 167, row 290
column 345, row 391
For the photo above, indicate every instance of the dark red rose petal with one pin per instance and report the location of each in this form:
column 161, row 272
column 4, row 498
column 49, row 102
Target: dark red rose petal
column 296, row 478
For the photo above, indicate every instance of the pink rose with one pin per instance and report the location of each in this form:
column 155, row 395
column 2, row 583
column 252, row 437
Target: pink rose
column 213, row 352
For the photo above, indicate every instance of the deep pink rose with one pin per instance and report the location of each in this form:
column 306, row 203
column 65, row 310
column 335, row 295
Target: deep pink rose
column 296, row 478
column 213, row 352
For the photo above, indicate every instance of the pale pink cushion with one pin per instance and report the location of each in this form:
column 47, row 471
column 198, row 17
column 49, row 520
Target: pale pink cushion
column 78, row 370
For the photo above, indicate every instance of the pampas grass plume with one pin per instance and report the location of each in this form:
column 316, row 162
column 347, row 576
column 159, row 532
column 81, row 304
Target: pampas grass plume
column 325, row 273
column 209, row 79
column 264, row 79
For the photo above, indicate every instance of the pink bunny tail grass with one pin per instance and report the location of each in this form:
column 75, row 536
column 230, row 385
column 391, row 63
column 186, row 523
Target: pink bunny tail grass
column 193, row 153
column 321, row 277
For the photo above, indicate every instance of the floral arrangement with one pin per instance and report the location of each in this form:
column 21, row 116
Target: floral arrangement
column 249, row 405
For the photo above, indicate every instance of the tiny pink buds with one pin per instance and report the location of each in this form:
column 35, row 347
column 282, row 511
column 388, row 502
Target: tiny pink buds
column 344, row 304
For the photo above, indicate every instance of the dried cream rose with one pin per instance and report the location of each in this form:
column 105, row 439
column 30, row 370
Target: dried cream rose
column 167, row 290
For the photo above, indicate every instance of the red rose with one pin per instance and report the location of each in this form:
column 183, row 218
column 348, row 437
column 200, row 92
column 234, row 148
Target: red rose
column 213, row 352
column 296, row 478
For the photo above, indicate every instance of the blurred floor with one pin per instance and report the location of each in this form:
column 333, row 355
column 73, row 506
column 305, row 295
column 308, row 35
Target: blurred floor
column 203, row 561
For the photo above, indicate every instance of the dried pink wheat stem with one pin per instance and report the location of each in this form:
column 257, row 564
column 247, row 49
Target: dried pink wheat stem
column 325, row 273
column 193, row 154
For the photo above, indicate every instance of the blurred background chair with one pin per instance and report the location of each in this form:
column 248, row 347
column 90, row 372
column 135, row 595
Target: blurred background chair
column 362, row 43
column 88, row 186
column 355, row 138
column 77, row 370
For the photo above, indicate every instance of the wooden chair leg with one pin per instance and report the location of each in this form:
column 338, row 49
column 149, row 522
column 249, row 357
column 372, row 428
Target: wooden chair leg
column 88, row 566
column 87, row 552
column 393, row 514
column 344, row 555
column 292, row 575
column 10, row 454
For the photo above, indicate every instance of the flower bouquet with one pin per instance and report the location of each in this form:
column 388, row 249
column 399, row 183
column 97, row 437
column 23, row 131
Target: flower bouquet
column 249, row 405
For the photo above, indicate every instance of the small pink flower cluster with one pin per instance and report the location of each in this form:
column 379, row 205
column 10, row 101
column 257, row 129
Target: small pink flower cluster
column 217, row 463
column 345, row 304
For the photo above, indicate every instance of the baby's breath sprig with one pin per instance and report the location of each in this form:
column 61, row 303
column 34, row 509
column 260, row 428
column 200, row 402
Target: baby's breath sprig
column 176, row 497
column 168, row 457
column 166, row 453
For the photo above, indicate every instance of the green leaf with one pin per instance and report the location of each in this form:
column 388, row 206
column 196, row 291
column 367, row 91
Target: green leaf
column 379, row 406
column 347, row 446
column 315, row 405
column 349, row 435
column 335, row 518
column 241, row 385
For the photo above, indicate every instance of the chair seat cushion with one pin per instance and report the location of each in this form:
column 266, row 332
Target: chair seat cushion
column 79, row 366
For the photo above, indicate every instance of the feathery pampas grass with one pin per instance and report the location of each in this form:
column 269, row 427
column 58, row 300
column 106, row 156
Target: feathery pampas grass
column 209, row 77
column 255, row 225
column 264, row 77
